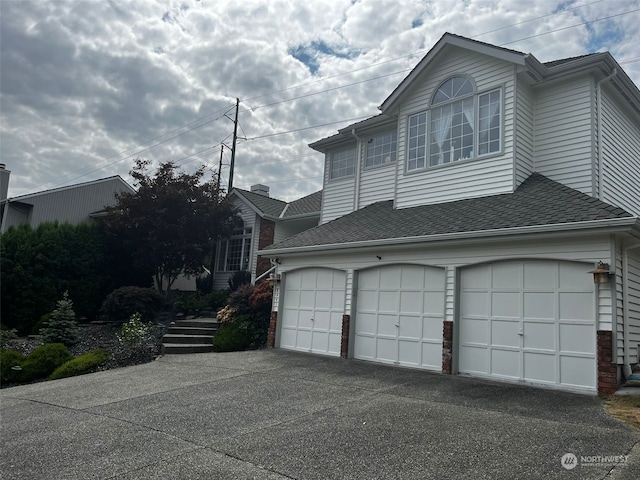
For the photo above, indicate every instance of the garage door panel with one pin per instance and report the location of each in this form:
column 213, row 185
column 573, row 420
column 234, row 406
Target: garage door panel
column 387, row 325
column 433, row 303
column 576, row 306
column 432, row 328
column 310, row 309
column 540, row 367
column 505, row 363
column 505, row 333
column 386, row 349
column 476, row 304
column 388, row 301
column 365, row 347
column 432, row 355
column 540, row 305
column 366, row 324
column 475, row 359
column 543, row 329
column 540, row 276
column 474, row 331
column 577, row 338
column 540, row 335
column 410, row 326
column 390, row 277
column 411, row 302
column 476, row 277
column 369, row 279
column 577, row 371
column 335, row 340
column 368, row 300
column 409, row 352
column 506, row 276
column 506, row 304
column 412, row 278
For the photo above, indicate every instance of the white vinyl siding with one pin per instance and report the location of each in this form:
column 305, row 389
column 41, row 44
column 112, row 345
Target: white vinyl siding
column 563, row 132
column 376, row 185
column 621, row 156
column 524, row 132
column 338, row 200
column 465, row 179
column 289, row 228
column 633, row 304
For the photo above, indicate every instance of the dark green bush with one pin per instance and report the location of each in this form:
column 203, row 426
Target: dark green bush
column 8, row 360
column 233, row 336
column 238, row 279
column 86, row 363
column 193, row 303
column 44, row 360
column 125, row 301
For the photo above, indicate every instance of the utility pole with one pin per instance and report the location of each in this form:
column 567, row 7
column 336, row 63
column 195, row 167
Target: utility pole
column 220, row 165
column 233, row 149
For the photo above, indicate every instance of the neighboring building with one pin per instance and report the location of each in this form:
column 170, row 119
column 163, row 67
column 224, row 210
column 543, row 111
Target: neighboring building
column 265, row 220
column 72, row 204
column 459, row 227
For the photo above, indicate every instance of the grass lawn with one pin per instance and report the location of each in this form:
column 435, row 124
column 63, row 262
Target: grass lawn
column 625, row 408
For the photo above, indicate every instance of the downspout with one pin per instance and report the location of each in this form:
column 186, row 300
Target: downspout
column 626, row 361
column 356, row 194
column 599, row 124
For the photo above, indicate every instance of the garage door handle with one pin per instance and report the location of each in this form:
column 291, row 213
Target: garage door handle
column 312, row 319
column 521, row 333
column 398, row 325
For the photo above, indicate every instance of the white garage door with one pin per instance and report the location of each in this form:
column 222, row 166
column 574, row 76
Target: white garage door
column 529, row 321
column 399, row 316
column 313, row 305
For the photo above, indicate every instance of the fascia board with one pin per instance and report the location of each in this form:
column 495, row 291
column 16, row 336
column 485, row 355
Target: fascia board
column 612, row 225
column 249, row 204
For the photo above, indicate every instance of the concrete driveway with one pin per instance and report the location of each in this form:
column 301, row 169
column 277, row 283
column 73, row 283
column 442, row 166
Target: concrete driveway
column 276, row 415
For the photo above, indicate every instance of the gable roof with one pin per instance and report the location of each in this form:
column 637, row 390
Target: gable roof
column 538, row 202
column 278, row 209
column 26, row 196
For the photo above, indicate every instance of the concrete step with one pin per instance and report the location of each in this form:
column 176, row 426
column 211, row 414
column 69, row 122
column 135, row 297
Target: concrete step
column 192, row 331
column 181, row 348
column 197, row 323
column 187, row 339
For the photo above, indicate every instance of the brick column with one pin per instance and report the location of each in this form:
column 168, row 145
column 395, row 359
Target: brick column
column 271, row 333
column 447, row 347
column 267, row 228
column 607, row 369
column 344, row 340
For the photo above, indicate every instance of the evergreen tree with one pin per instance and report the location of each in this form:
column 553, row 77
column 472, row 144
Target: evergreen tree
column 62, row 327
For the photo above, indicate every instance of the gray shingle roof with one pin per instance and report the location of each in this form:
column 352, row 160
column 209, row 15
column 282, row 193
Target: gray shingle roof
column 538, row 201
column 305, row 205
column 272, row 207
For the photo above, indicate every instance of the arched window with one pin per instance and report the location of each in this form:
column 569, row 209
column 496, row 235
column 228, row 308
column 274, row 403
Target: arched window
column 461, row 124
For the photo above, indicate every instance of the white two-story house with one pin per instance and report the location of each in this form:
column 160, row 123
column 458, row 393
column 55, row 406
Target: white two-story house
column 460, row 227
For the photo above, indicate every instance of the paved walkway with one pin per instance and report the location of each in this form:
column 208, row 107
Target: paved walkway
column 276, row 415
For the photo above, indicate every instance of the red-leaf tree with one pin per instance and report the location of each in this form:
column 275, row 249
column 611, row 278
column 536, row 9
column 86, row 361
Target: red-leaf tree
column 171, row 224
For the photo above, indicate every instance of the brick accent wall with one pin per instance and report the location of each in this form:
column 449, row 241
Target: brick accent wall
column 271, row 333
column 267, row 228
column 607, row 369
column 344, row 340
column 447, row 347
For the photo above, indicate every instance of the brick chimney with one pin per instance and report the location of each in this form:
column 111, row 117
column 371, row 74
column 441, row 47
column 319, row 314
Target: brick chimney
column 260, row 189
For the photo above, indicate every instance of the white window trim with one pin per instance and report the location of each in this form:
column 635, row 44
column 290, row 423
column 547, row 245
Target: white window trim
column 476, row 94
column 245, row 236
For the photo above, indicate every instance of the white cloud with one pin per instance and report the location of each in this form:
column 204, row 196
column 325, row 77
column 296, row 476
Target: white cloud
column 83, row 81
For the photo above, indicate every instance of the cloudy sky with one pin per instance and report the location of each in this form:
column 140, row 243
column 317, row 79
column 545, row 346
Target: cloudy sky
column 87, row 86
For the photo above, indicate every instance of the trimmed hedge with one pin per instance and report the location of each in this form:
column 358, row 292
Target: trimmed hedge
column 44, row 360
column 85, row 363
column 125, row 301
column 233, row 336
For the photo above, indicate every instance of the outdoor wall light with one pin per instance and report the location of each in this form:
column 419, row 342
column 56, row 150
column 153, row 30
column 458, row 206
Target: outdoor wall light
column 274, row 278
column 601, row 274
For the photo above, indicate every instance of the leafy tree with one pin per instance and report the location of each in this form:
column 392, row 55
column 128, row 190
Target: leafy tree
column 172, row 222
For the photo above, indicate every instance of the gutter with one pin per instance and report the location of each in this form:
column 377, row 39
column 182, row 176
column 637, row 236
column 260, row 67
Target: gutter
column 626, row 361
column 622, row 224
column 599, row 126
column 359, row 144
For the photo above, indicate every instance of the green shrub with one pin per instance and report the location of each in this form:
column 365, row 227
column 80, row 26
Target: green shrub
column 135, row 333
column 44, row 360
column 62, row 326
column 233, row 336
column 125, row 301
column 8, row 360
column 193, row 303
column 86, row 363
column 238, row 279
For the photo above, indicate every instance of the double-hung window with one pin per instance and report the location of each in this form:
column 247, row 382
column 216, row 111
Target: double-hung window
column 381, row 149
column 343, row 164
column 460, row 125
column 234, row 253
